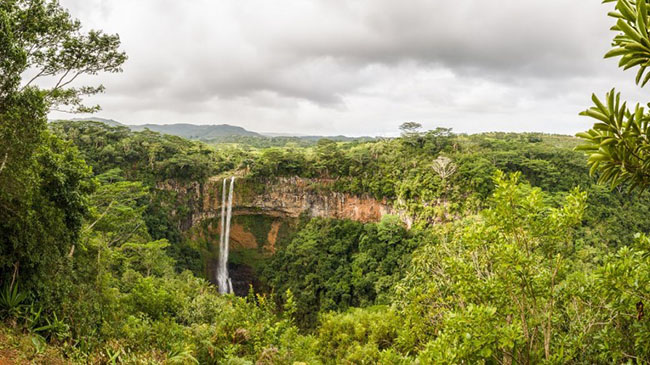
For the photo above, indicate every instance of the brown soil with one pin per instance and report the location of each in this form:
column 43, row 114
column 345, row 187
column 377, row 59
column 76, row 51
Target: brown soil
column 239, row 238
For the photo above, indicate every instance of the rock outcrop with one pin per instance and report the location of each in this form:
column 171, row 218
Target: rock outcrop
column 282, row 197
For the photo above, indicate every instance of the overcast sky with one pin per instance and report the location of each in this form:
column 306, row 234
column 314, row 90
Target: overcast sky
column 358, row 67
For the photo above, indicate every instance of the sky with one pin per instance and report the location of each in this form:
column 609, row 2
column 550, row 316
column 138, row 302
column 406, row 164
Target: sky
column 357, row 67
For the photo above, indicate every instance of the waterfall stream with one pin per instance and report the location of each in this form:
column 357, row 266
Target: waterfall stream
column 223, row 281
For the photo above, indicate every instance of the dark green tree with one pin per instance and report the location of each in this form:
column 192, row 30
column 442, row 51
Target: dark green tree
column 43, row 181
column 328, row 157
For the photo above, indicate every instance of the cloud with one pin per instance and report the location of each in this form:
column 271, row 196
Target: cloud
column 357, row 66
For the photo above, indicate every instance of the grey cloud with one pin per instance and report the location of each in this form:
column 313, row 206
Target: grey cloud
column 278, row 53
column 336, row 66
column 524, row 36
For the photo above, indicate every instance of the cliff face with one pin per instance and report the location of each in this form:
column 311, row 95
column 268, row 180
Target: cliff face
column 265, row 216
column 292, row 197
column 283, row 197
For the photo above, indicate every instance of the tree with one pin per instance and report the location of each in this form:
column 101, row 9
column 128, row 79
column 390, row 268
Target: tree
column 40, row 40
column 490, row 290
column 42, row 37
column 438, row 140
column 410, row 128
column 411, row 135
column 618, row 145
column 444, row 167
column 39, row 225
column 43, row 181
column 328, row 157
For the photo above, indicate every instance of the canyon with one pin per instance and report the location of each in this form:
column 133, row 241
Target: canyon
column 265, row 213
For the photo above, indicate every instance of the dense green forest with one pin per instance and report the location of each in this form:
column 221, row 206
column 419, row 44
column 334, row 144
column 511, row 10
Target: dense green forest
column 514, row 252
column 504, row 248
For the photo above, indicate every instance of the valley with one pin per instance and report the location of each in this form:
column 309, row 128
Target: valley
column 182, row 243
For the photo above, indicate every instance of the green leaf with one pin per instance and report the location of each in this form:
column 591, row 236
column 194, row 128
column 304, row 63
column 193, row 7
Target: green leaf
column 628, row 30
column 642, row 17
column 640, row 74
column 599, row 157
column 597, row 115
column 626, row 11
column 634, row 62
column 616, row 52
column 600, row 105
column 608, row 141
column 584, row 135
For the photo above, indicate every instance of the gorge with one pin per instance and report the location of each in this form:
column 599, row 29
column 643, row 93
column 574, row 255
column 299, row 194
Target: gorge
column 257, row 216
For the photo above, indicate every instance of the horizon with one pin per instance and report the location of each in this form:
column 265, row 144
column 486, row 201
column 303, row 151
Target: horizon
column 275, row 134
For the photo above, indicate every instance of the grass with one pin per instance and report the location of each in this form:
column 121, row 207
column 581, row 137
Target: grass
column 17, row 347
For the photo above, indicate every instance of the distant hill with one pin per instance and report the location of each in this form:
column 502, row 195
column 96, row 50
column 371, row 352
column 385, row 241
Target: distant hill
column 339, row 138
column 192, row 131
column 111, row 122
column 306, row 137
column 273, row 134
column 220, row 133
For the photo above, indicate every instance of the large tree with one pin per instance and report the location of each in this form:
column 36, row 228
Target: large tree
column 40, row 41
column 618, row 145
column 43, row 182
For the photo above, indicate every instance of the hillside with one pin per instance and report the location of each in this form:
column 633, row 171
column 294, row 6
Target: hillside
column 225, row 133
column 110, row 122
column 193, row 131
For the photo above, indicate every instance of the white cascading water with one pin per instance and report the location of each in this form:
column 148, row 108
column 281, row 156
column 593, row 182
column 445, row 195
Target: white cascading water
column 223, row 281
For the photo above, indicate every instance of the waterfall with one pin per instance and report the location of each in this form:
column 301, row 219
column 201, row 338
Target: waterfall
column 223, row 281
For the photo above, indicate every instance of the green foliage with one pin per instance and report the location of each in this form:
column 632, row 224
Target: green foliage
column 143, row 308
column 278, row 162
column 41, row 36
column 622, row 283
column 471, row 335
column 360, row 336
column 148, row 258
column 492, row 286
column 44, row 183
column 94, row 222
column 39, row 228
column 146, row 160
column 11, row 301
column 632, row 43
column 145, row 156
column 333, row 265
column 315, row 266
column 617, row 144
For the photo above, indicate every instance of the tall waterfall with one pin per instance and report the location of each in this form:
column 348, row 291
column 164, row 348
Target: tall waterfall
column 223, row 281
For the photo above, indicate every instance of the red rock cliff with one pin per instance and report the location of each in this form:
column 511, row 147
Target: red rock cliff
column 282, row 197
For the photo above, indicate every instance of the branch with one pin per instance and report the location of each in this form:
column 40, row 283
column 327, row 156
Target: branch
column 100, row 217
column 58, row 83
column 4, row 162
column 119, row 238
column 15, row 274
column 62, row 110
column 72, row 79
column 33, row 78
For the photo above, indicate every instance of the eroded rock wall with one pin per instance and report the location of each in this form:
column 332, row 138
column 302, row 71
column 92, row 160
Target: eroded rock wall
column 281, row 197
column 265, row 216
